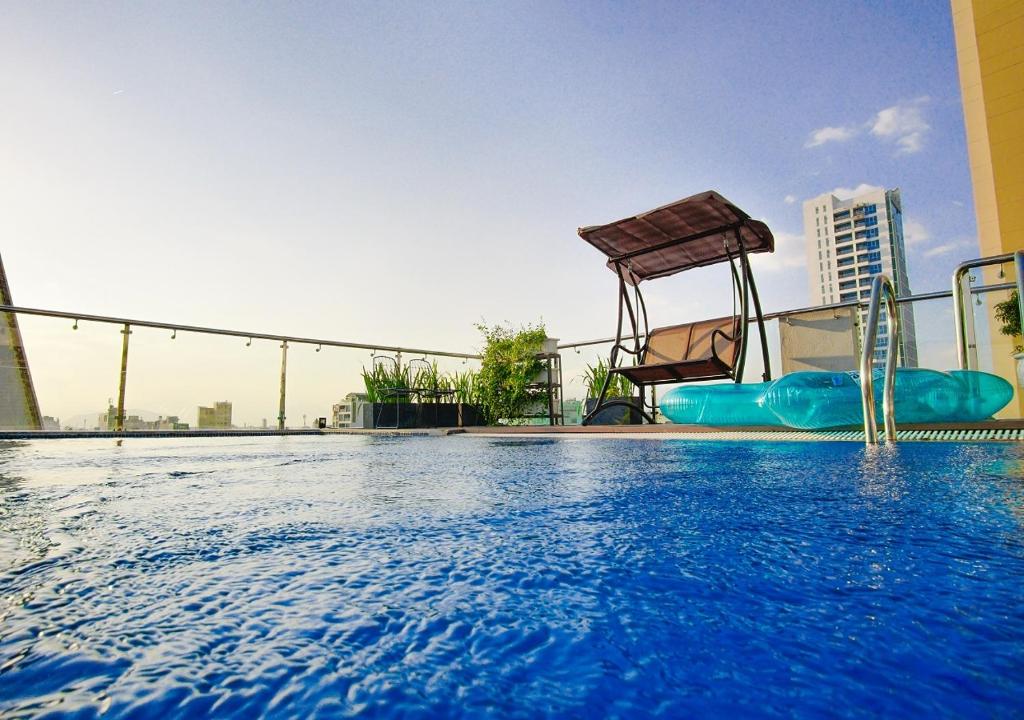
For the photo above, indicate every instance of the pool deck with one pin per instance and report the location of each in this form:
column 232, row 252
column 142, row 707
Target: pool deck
column 989, row 430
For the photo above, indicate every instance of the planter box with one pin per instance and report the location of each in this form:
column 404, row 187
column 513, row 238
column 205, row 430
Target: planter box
column 421, row 415
column 384, row 415
column 617, row 414
column 469, row 415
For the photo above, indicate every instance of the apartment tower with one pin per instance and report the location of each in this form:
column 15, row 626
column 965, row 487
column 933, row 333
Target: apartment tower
column 848, row 243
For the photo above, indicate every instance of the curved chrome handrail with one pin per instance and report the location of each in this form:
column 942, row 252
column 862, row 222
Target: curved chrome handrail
column 881, row 288
column 959, row 316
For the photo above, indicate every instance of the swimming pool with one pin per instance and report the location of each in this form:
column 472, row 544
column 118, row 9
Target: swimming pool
column 427, row 576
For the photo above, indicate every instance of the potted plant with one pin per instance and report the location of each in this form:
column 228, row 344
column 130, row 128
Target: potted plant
column 384, row 406
column 468, row 412
column 507, row 386
column 433, row 386
column 619, row 388
column 1008, row 313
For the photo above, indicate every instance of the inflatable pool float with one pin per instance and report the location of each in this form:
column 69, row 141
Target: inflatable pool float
column 816, row 400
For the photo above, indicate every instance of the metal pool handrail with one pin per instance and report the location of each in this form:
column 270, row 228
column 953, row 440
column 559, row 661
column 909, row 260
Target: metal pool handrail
column 881, row 288
column 959, row 315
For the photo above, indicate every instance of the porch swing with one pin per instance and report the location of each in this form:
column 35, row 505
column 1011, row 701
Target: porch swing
column 698, row 231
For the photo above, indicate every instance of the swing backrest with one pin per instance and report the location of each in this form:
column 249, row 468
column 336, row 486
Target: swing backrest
column 695, row 342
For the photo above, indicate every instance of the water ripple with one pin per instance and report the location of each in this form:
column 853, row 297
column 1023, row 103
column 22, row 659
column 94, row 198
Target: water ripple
column 462, row 577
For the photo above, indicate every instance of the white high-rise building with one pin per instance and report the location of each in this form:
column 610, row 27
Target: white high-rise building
column 849, row 242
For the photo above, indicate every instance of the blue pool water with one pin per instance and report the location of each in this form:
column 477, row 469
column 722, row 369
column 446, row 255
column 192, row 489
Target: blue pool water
column 293, row 577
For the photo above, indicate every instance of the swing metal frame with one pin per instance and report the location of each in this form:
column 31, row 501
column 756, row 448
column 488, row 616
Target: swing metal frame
column 698, row 231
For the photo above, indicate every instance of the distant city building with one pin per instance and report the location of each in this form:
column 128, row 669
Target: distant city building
column 848, row 243
column 108, row 420
column 348, row 412
column 171, row 422
column 216, row 417
column 51, row 423
column 572, row 412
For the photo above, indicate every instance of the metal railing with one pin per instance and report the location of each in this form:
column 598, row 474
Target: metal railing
column 957, row 294
column 881, row 289
column 959, row 314
column 937, row 295
column 126, row 331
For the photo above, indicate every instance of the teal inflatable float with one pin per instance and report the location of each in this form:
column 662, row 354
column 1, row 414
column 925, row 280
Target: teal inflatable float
column 815, row 400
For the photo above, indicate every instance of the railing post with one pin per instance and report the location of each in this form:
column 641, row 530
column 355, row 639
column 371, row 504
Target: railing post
column 1018, row 264
column 960, row 312
column 284, row 377
column 125, row 332
column 881, row 288
column 960, row 315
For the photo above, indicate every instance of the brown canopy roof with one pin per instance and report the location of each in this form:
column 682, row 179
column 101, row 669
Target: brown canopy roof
column 688, row 233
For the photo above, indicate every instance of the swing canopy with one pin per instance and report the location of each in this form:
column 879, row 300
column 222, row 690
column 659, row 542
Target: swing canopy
column 700, row 230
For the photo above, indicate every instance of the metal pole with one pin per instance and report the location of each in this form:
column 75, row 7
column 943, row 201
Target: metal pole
column 744, row 310
column 551, row 396
column 125, row 332
column 284, row 377
column 1018, row 264
column 767, row 374
column 881, row 288
column 84, row 317
column 959, row 316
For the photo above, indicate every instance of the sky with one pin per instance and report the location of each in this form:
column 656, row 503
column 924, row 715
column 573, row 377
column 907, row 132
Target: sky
column 399, row 172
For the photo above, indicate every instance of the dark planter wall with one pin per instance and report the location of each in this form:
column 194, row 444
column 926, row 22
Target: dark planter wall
column 617, row 414
column 385, row 415
column 421, row 415
column 470, row 416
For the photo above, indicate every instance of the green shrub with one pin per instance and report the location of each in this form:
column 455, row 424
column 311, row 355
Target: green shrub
column 465, row 386
column 595, row 375
column 508, row 368
column 1008, row 313
column 382, row 377
column 430, row 378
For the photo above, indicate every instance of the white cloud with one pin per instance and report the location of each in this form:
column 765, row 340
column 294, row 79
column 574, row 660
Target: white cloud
column 789, row 254
column 965, row 245
column 941, row 249
column 789, row 199
column 915, row 233
column 844, row 193
column 830, row 134
column 904, row 123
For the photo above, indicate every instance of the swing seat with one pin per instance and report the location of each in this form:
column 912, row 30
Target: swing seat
column 691, row 352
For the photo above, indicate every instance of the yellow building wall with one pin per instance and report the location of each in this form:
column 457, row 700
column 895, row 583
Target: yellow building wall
column 990, row 55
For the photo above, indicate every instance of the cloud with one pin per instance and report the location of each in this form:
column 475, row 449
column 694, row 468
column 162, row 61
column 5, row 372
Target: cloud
column 903, row 123
column 967, row 245
column 941, row 249
column 844, row 193
column 830, row 134
column 915, row 233
column 789, row 253
column 789, row 199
